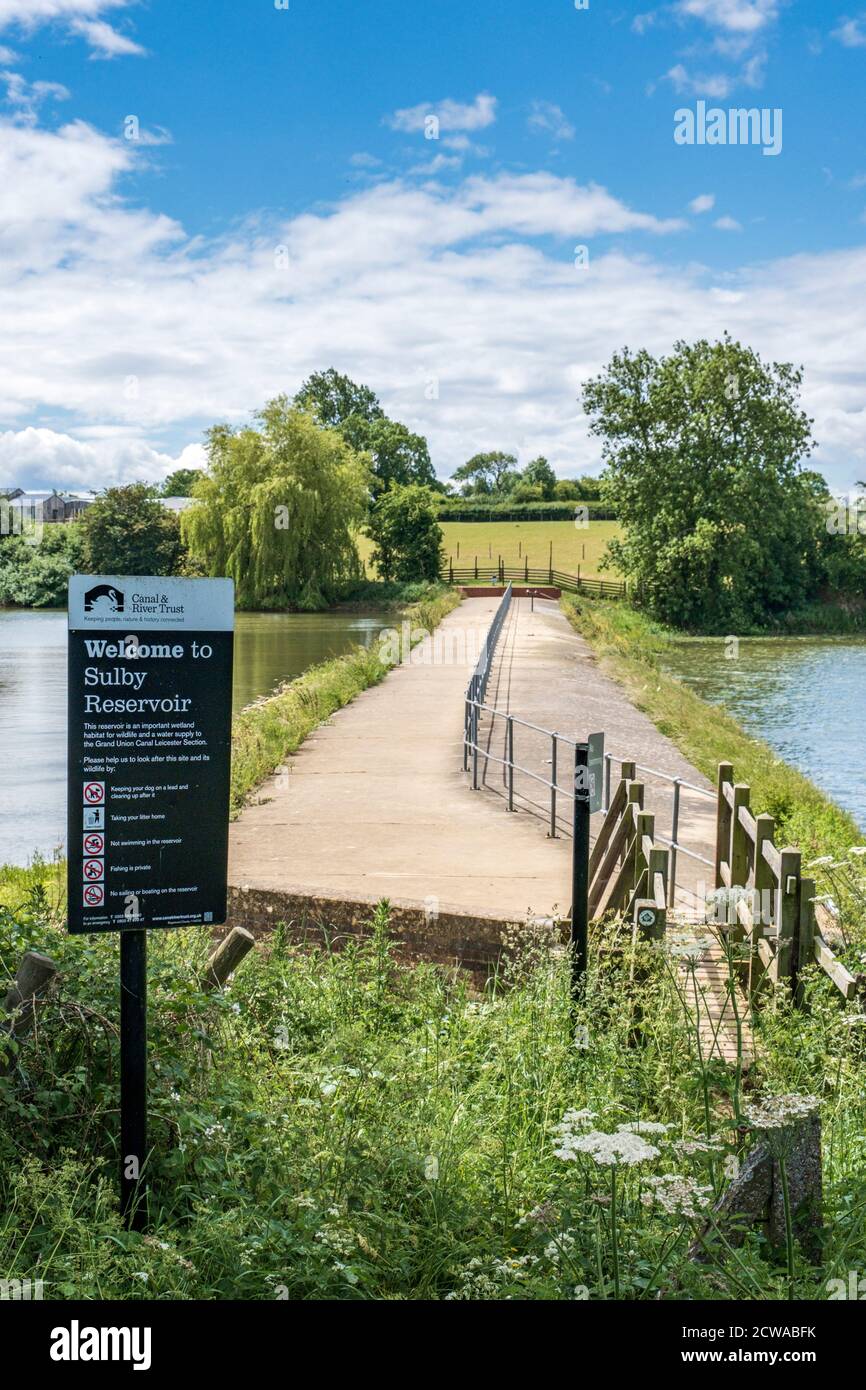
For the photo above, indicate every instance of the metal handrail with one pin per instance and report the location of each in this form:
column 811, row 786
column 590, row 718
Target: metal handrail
column 476, row 705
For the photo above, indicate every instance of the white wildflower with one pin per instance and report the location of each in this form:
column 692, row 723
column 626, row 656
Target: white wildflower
column 643, row 1127
column 697, row 1146
column 607, row 1149
column 778, row 1112
column 677, row 1195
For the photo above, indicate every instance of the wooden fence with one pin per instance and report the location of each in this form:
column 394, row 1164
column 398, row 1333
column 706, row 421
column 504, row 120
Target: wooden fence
column 526, row 574
column 628, row 871
column 770, row 905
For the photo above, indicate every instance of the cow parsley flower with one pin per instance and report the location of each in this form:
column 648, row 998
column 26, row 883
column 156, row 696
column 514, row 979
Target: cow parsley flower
column 618, row 1150
column 779, row 1112
column 677, row 1195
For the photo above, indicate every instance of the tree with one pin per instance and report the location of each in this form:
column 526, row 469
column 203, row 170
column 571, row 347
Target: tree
column 127, row 530
column 37, row 576
column 407, row 539
column 333, row 399
column 486, row 473
column 398, row 456
column 180, row 483
column 539, row 474
column 702, row 451
column 277, row 510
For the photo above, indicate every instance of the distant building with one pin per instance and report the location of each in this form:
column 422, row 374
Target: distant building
column 51, row 506
column 177, row 504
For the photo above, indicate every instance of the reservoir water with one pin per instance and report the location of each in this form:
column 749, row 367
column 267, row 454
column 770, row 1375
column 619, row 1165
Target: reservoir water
column 269, row 648
column 805, row 696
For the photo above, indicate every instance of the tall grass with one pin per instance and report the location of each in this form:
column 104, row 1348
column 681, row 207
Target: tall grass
column 339, row 1126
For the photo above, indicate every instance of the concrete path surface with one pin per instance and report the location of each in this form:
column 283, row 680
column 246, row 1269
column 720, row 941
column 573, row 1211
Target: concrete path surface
column 546, row 674
column 375, row 803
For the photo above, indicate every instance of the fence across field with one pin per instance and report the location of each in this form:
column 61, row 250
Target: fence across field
column 500, row 573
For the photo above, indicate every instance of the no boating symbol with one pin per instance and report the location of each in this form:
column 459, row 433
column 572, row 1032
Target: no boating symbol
column 94, row 844
column 94, row 793
column 94, row 895
column 94, row 870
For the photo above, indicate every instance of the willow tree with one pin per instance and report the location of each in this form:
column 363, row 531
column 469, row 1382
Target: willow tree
column 277, row 510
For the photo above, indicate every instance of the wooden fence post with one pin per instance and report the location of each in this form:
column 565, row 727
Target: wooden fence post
column 788, row 913
column 226, row 958
column 765, row 882
column 806, row 940
column 33, row 977
column 723, row 822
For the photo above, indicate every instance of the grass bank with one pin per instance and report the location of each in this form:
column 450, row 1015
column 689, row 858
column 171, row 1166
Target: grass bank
column 265, row 733
column 630, row 646
column 340, row 1127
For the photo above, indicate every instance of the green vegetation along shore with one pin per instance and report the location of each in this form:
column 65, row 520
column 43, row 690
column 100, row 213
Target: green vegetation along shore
column 630, row 646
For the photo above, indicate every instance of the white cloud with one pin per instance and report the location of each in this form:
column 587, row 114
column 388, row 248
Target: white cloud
column 545, row 118
column 451, row 115
column 26, row 97
column 135, row 336
column 717, row 84
column 105, row 41
column 705, row 202
column 46, row 458
column 737, row 16
column 851, row 32
column 30, row 13
column 81, row 17
column 727, row 224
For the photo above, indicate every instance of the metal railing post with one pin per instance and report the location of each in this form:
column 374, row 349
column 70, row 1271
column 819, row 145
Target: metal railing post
column 675, row 826
column 553, row 751
column 510, row 756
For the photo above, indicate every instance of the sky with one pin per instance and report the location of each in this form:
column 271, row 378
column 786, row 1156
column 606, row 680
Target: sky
column 468, row 207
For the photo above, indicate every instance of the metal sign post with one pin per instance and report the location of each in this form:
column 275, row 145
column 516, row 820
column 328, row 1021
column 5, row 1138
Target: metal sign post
column 588, row 789
column 133, row 1076
column 150, row 686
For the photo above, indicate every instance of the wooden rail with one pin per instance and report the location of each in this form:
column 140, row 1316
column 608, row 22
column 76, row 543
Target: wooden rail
column 628, row 871
column 770, row 905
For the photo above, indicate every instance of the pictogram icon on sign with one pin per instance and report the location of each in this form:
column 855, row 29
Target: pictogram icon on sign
column 94, row 844
column 94, row 793
column 94, row 870
column 94, row 895
column 94, row 817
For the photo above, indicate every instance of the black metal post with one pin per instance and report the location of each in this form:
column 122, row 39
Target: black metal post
column 133, row 1076
column 580, row 868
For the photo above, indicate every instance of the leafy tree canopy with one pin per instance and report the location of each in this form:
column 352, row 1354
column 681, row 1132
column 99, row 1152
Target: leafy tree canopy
column 334, row 399
column 703, row 453
column 487, row 473
column 399, row 457
column 180, row 483
column 277, row 510
column 407, row 539
column 127, row 530
column 539, row 474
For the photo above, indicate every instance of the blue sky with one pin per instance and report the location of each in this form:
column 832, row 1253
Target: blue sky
column 282, row 210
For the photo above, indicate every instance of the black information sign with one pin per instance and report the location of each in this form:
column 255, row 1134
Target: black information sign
column 150, row 686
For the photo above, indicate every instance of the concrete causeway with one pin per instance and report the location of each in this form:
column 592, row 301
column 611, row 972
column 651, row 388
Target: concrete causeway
column 376, row 804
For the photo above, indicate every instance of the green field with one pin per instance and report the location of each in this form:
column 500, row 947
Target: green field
column 516, row 541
